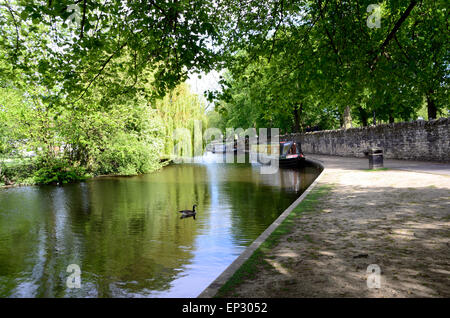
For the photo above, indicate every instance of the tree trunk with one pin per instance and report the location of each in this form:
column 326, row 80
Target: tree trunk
column 363, row 116
column 431, row 106
column 297, row 114
column 296, row 127
column 347, row 118
column 374, row 118
column 391, row 119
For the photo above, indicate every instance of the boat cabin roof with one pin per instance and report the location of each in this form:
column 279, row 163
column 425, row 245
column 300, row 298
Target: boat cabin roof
column 288, row 142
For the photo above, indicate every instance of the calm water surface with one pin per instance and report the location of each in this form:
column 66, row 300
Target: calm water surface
column 126, row 235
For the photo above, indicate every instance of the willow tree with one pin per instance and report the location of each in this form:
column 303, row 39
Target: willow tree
column 181, row 108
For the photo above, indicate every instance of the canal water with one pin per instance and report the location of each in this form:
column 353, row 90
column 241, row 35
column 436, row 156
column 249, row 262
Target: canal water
column 126, row 236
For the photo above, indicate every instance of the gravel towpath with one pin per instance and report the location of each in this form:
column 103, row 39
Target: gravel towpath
column 397, row 220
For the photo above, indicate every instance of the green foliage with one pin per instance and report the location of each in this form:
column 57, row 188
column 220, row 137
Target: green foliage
column 59, row 172
column 127, row 138
column 18, row 171
column 180, row 109
column 127, row 155
column 106, row 44
column 12, row 111
column 306, row 62
column 102, row 87
column 258, row 98
column 215, row 120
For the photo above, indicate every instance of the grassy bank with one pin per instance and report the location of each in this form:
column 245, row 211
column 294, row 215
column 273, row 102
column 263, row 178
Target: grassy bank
column 251, row 267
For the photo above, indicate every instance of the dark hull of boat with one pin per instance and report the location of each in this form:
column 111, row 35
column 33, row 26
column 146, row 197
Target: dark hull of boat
column 291, row 163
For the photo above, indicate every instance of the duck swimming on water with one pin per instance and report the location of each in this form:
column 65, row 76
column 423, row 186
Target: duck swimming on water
column 188, row 213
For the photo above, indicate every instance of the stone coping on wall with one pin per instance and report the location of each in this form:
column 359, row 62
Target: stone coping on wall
column 424, row 123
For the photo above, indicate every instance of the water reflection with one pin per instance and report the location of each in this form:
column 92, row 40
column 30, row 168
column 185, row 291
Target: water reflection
column 126, row 234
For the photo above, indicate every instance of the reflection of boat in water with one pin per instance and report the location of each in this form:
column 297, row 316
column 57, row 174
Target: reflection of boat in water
column 291, row 154
column 225, row 147
column 222, row 148
column 218, row 148
column 237, row 145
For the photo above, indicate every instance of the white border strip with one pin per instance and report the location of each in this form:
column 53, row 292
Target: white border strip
column 214, row 287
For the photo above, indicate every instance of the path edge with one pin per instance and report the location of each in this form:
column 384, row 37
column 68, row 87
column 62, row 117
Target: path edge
column 214, row 287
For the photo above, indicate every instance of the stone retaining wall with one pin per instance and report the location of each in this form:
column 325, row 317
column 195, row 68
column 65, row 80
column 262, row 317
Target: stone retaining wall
column 418, row 140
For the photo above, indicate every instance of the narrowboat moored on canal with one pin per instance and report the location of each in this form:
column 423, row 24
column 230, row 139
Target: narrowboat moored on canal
column 290, row 154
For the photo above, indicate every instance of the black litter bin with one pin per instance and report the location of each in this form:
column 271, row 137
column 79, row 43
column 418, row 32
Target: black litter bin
column 375, row 158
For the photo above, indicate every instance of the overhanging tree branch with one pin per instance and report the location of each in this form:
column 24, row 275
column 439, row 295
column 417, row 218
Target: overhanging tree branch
column 100, row 71
column 391, row 35
column 83, row 20
column 333, row 45
column 15, row 25
column 276, row 30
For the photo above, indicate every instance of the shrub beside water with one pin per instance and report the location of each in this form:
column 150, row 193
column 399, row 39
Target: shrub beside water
column 19, row 172
column 59, row 172
column 28, row 172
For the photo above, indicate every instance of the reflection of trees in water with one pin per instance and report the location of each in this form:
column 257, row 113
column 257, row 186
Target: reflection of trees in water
column 125, row 234
column 144, row 236
column 37, row 239
column 22, row 227
column 257, row 202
